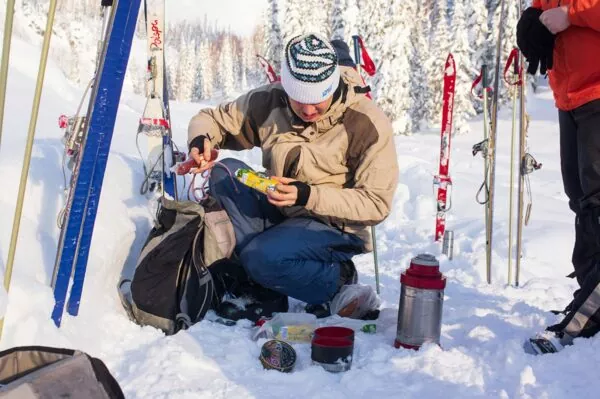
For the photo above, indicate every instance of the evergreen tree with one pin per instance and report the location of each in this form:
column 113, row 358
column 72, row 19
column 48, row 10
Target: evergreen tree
column 478, row 25
column 293, row 23
column 338, row 23
column 274, row 36
column 186, row 72
column 393, row 79
column 439, row 46
column 207, row 73
column 226, row 68
column 315, row 16
column 418, row 82
column 461, row 51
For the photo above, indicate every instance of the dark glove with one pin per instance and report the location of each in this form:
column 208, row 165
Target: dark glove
column 198, row 142
column 303, row 192
column 535, row 41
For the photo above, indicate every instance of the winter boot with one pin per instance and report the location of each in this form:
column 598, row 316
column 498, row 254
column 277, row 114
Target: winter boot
column 546, row 342
column 348, row 275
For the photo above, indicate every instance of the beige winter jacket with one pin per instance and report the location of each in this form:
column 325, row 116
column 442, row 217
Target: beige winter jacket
column 348, row 157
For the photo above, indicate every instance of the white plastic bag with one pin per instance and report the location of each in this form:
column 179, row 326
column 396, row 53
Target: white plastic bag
column 364, row 296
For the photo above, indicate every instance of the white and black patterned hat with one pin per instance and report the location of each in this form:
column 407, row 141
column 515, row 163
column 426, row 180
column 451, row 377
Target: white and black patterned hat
column 309, row 71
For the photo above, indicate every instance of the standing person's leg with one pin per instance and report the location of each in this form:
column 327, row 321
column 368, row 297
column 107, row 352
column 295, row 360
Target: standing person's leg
column 302, row 258
column 583, row 314
column 249, row 210
column 587, row 119
column 584, row 249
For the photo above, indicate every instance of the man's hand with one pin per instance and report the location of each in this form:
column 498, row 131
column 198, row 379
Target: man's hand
column 285, row 194
column 556, row 19
column 202, row 158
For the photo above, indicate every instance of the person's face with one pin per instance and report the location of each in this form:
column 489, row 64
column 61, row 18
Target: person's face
column 310, row 112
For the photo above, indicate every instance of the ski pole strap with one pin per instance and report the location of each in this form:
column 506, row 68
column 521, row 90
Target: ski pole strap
column 476, row 82
column 513, row 60
column 269, row 71
column 368, row 65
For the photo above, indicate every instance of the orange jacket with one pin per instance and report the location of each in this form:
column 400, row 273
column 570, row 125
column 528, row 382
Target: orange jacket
column 575, row 76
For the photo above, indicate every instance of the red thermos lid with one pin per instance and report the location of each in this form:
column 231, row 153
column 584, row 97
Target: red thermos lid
column 424, row 273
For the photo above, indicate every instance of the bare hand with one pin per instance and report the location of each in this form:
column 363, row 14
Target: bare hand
column 556, row 19
column 203, row 159
column 284, row 195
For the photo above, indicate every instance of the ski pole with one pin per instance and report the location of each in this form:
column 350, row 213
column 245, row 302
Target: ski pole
column 356, row 42
column 28, row 149
column 8, row 25
column 513, row 59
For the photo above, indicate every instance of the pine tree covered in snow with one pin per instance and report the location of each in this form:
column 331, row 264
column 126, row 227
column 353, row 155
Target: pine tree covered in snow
column 462, row 53
column 510, row 35
column 439, row 45
column 207, row 72
column 315, row 16
column 292, row 20
column 338, row 22
column 418, row 82
column 393, row 79
column 477, row 23
column 186, row 72
column 351, row 16
column 226, row 71
column 274, row 35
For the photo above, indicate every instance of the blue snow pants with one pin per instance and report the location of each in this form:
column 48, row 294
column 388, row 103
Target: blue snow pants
column 299, row 257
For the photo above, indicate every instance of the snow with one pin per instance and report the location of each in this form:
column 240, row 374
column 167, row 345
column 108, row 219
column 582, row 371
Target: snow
column 483, row 325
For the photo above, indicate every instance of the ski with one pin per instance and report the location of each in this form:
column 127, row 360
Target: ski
column 443, row 180
column 155, row 122
column 487, row 147
column 527, row 164
column 76, row 234
column 75, row 126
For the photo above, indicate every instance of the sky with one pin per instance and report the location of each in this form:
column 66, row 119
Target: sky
column 241, row 15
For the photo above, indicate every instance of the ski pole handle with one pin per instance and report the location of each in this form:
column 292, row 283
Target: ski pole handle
column 356, row 43
column 484, row 77
column 185, row 167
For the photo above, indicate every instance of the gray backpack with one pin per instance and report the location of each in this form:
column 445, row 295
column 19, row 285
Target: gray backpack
column 172, row 287
column 38, row 372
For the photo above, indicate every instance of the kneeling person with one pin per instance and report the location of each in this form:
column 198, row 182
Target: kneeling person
column 332, row 151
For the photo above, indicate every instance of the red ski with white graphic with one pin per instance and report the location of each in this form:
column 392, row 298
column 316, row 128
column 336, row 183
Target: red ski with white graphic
column 442, row 180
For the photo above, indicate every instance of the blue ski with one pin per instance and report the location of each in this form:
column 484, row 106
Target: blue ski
column 76, row 235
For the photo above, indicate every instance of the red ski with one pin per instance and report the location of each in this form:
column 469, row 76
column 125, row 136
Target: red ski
column 442, row 180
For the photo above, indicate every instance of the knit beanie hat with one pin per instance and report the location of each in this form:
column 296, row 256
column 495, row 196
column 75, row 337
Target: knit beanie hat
column 309, row 71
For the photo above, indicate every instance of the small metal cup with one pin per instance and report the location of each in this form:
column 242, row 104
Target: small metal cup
column 448, row 244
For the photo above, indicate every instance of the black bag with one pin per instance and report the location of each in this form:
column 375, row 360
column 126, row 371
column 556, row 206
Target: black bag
column 172, row 287
column 38, row 372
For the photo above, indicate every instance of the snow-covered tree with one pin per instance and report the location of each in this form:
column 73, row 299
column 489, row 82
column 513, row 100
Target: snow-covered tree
column 351, row 17
column 186, row 72
column 477, row 22
column 207, row 73
column 439, row 45
column 393, row 78
column 338, row 22
column 420, row 40
column 274, row 35
column 294, row 22
column 226, row 68
column 461, row 51
column 315, row 16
